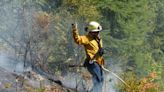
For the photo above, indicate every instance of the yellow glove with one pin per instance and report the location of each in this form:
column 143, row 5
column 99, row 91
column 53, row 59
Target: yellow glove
column 74, row 26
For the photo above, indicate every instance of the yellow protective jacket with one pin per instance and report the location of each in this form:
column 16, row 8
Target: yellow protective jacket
column 90, row 44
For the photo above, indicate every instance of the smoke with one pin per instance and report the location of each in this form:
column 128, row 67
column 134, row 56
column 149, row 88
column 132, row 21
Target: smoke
column 17, row 23
column 11, row 65
column 73, row 80
column 15, row 29
column 110, row 83
column 70, row 80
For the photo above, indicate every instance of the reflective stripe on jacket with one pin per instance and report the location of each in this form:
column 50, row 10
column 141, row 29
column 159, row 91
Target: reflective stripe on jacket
column 90, row 44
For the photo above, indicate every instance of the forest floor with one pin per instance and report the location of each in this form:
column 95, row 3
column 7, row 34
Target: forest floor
column 11, row 82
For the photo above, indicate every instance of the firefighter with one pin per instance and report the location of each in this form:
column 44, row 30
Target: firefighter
column 94, row 52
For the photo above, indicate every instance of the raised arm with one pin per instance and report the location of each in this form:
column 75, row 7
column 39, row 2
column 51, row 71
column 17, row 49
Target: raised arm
column 81, row 40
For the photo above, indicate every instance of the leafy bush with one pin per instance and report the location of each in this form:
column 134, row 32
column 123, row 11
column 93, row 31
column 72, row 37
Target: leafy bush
column 145, row 84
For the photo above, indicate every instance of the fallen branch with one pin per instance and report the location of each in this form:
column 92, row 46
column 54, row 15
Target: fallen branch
column 75, row 66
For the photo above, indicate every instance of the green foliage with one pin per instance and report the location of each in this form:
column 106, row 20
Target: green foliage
column 40, row 90
column 143, row 84
column 133, row 32
column 83, row 9
column 49, row 5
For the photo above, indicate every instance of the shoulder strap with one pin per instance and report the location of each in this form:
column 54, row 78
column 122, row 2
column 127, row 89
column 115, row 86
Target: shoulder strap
column 98, row 41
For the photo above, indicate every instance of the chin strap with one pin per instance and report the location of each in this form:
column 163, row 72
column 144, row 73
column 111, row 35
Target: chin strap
column 115, row 76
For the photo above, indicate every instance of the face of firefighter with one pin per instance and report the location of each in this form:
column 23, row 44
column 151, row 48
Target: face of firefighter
column 94, row 34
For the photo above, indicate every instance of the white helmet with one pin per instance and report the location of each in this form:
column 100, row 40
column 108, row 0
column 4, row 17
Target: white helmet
column 93, row 27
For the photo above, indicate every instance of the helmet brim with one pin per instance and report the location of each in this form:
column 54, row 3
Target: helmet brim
column 95, row 30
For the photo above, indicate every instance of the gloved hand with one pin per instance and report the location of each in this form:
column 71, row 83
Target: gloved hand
column 92, row 61
column 101, row 51
column 74, row 26
column 88, row 63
